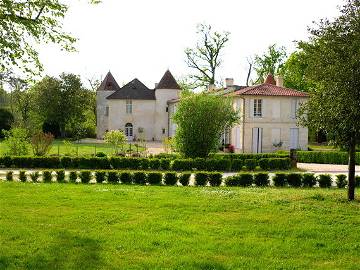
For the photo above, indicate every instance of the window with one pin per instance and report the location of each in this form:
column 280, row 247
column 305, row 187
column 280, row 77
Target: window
column 163, row 131
column 167, row 109
column 294, row 107
column 129, row 130
column 128, row 106
column 258, row 107
column 107, row 111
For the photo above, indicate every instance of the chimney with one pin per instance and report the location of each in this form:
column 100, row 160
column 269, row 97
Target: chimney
column 229, row 82
column 279, row 81
column 156, row 85
column 270, row 79
column 211, row 87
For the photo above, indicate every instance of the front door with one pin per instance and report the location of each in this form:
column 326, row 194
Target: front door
column 129, row 133
column 257, row 140
column 294, row 138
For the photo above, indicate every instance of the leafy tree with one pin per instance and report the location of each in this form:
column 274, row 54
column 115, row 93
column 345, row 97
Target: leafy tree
column 41, row 143
column 25, row 23
column 116, row 138
column 6, row 120
column 201, row 119
column 205, row 58
column 270, row 62
column 16, row 141
column 332, row 54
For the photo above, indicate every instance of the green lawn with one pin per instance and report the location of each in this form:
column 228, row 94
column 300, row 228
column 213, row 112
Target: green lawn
column 68, row 226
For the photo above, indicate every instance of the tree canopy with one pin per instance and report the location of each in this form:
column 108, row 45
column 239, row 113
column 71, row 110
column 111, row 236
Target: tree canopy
column 332, row 54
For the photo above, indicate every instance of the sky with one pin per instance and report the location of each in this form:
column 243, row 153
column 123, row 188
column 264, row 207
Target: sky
column 142, row 38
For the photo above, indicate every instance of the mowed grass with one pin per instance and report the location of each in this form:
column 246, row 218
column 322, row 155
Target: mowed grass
column 69, row 226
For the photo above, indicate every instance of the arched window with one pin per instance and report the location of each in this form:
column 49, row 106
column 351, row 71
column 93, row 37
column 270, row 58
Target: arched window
column 128, row 130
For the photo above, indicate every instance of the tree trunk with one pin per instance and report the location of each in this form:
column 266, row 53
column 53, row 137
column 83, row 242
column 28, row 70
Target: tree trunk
column 351, row 173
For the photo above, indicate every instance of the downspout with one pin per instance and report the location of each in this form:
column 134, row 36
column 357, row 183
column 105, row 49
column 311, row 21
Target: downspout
column 243, row 125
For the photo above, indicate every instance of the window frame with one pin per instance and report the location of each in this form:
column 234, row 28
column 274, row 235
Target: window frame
column 258, row 108
column 128, row 106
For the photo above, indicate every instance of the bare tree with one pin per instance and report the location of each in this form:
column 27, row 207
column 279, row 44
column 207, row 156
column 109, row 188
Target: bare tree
column 205, row 57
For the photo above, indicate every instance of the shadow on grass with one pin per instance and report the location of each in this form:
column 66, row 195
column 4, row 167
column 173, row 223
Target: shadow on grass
column 67, row 251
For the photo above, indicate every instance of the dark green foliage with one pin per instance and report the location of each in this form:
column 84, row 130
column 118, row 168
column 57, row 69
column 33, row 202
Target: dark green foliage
column 275, row 163
column 34, row 176
column 325, row 157
column 6, row 119
column 139, row 178
column 170, row 178
column 60, row 176
column 73, row 176
column 125, row 177
column 324, row 180
column 357, row 181
column 294, row 179
column 250, row 164
column 217, row 165
column 66, row 162
column 279, row 180
column 215, row 179
column 154, row 178
column 100, row 154
column 182, row 165
column 246, row 179
column 154, row 163
column 47, row 176
column 261, row 179
column 113, row 177
column 250, row 156
column 85, row 176
column 232, row 181
column 308, row 180
column 22, row 176
column 9, row 176
column 237, row 165
column 341, row 180
column 184, row 178
column 165, row 163
column 201, row 178
column 144, row 163
column 100, row 176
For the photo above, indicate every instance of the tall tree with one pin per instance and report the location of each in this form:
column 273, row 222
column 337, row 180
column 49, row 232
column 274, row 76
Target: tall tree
column 270, row 62
column 25, row 23
column 205, row 58
column 332, row 54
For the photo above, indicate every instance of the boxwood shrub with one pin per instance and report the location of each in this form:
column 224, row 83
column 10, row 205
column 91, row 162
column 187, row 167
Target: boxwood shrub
column 60, row 176
column 125, row 177
column 34, row 176
column 261, row 179
column 232, row 181
column 85, row 176
column 165, row 163
column 10, row 176
column 113, row 177
column 154, row 178
column 73, row 175
column 139, row 178
column 250, row 164
column 245, row 179
column 324, row 180
column 170, row 178
column 184, row 178
column 279, row 180
column 201, row 178
column 341, row 180
column 154, row 163
column 100, row 176
column 215, row 179
column 47, row 176
column 294, row 179
column 237, row 165
column 357, row 180
column 22, row 176
column 309, row 180
column 182, row 165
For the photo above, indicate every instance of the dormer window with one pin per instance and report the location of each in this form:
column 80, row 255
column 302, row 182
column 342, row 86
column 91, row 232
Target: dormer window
column 129, row 106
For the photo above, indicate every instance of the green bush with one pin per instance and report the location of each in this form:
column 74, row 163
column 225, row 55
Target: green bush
column 279, row 179
column 10, row 176
column 264, row 164
column 34, row 176
column 357, row 180
column 100, row 176
column 233, row 181
column 308, row 180
column 217, row 165
column 261, row 179
column 100, row 154
column 154, row 163
column 85, row 176
column 324, row 180
column 215, row 179
column 294, row 179
column 250, row 164
column 201, row 178
column 323, row 157
column 73, row 176
column 251, row 156
column 341, row 180
column 66, row 162
column 125, row 177
column 144, row 163
column 170, row 178
column 237, row 165
column 60, row 176
column 182, row 165
column 154, row 178
column 47, row 176
column 246, row 179
column 22, row 176
column 139, row 178
column 165, row 163
column 113, row 177
column 184, row 178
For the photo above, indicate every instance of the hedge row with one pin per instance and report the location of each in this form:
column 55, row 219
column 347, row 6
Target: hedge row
column 214, row 164
column 170, row 178
column 323, row 157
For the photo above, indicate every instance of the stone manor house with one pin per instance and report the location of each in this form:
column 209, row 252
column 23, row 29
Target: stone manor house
column 267, row 112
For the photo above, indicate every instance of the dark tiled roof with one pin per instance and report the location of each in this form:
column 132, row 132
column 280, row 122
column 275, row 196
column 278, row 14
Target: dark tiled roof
column 109, row 83
column 168, row 82
column 133, row 90
column 266, row 89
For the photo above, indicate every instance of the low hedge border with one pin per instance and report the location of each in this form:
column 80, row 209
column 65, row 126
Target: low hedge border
column 323, row 157
column 246, row 162
column 171, row 178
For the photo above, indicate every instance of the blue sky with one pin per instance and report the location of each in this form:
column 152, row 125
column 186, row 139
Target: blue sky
column 140, row 38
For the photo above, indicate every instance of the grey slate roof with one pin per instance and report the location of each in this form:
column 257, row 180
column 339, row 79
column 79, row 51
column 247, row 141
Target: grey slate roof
column 109, row 83
column 133, row 90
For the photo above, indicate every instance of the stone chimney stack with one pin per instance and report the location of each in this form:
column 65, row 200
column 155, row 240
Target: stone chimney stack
column 279, row 81
column 156, row 85
column 229, row 82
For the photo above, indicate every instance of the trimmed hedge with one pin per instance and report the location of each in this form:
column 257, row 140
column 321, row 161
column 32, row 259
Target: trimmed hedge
column 113, row 177
column 294, row 179
column 60, row 176
column 125, row 177
column 85, row 176
column 154, row 178
column 170, row 178
column 215, row 179
column 323, row 157
column 73, row 175
column 22, row 176
column 242, row 179
column 201, row 178
column 100, row 176
column 250, row 164
column 184, row 178
column 309, row 180
column 275, row 163
column 324, row 180
column 47, row 176
column 341, row 180
column 10, row 176
column 139, row 178
column 251, row 156
column 34, row 176
column 280, row 180
column 261, row 179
